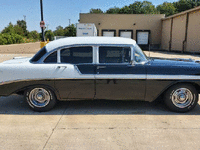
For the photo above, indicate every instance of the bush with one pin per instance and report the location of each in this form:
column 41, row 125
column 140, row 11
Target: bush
column 10, row 39
column 3, row 41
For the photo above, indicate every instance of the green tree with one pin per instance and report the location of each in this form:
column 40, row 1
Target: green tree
column 59, row 31
column 96, row 11
column 49, row 35
column 22, row 24
column 166, row 8
column 114, row 10
column 137, row 7
column 183, row 5
column 148, row 8
column 18, row 30
column 34, row 35
column 124, row 10
column 70, row 30
column 8, row 29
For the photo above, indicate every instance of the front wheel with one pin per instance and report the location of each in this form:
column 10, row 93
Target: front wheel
column 181, row 98
column 40, row 98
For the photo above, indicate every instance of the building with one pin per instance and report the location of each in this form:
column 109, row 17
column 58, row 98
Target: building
column 143, row 28
column 180, row 32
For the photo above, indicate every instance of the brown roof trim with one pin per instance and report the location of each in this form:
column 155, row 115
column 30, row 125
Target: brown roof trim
column 182, row 13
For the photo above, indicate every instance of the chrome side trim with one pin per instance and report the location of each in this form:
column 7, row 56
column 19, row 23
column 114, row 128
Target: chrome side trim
column 111, row 76
column 173, row 77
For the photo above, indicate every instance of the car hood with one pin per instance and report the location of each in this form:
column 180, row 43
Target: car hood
column 173, row 67
column 174, row 62
column 17, row 60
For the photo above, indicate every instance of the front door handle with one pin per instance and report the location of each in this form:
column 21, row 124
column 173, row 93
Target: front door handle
column 62, row 67
column 101, row 67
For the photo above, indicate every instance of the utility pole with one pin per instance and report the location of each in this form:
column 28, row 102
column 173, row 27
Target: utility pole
column 47, row 26
column 41, row 6
column 69, row 22
column 24, row 18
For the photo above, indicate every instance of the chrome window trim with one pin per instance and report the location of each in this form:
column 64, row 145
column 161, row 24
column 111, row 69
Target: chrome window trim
column 77, row 46
column 41, row 61
column 94, row 46
column 130, row 46
column 58, row 56
column 95, row 55
column 138, row 63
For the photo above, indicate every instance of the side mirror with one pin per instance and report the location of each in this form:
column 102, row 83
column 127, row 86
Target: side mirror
column 132, row 62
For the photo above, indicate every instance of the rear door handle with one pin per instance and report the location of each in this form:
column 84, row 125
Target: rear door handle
column 101, row 67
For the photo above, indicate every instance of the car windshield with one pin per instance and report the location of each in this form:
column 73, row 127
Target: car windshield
column 39, row 54
column 139, row 55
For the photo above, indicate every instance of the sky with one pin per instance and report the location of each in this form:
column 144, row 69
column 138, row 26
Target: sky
column 56, row 12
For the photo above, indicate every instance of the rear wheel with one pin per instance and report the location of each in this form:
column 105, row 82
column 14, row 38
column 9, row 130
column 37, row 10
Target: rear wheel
column 181, row 98
column 40, row 98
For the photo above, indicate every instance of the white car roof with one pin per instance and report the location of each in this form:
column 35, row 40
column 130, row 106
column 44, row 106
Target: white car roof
column 88, row 40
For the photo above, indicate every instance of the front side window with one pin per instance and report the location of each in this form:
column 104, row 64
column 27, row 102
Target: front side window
column 114, row 54
column 139, row 55
column 52, row 58
column 76, row 55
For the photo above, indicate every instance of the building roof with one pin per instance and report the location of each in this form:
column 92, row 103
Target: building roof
column 182, row 13
column 88, row 40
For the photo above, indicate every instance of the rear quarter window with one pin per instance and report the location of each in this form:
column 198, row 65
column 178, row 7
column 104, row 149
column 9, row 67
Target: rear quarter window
column 39, row 54
column 52, row 58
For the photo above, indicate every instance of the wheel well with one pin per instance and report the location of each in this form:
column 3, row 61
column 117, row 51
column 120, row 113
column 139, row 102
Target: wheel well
column 196, row 86
column 21, row 91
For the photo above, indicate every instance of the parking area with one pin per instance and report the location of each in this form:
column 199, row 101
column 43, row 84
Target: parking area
column 90, row 125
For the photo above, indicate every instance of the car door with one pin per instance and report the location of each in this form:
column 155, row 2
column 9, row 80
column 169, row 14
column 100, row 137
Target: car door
column 74, row 77
column 116, row 78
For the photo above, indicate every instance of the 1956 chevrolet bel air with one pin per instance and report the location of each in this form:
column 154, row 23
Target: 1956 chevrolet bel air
column 114, row 68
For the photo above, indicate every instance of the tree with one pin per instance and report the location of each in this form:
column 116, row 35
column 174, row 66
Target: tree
column 148, row 8
column 18, row 30
column 59, row 31
column 70, row 30
column 137, row 7
column 8, row 29
column 114, row 10
column 22, row 24
column 183, row 5
column 166, row 8
column 96, row 11
column 49, row 35
column 34, row 35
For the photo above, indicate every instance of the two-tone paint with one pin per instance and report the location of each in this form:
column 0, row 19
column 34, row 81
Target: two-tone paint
column 129, row 81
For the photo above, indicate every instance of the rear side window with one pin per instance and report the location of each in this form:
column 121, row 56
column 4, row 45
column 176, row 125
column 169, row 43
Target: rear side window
column 39, row 54
column 76, row 55
column 52, row 58
column 114, row 54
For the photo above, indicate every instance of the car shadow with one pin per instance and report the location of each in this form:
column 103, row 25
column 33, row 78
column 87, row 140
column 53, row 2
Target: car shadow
column 16, row 105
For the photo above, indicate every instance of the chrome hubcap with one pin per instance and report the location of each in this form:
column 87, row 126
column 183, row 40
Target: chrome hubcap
column 39, row 97
column 182, row 97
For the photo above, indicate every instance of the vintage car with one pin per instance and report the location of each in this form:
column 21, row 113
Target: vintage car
column 89, row 68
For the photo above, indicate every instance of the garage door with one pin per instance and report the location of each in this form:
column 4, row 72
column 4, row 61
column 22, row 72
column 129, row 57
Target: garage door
column 143, row 37
column 108, row 33
column 125, row 34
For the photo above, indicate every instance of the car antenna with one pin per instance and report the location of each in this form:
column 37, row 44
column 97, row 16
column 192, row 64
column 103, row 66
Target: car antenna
column 149, row 45
column 149, row 49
